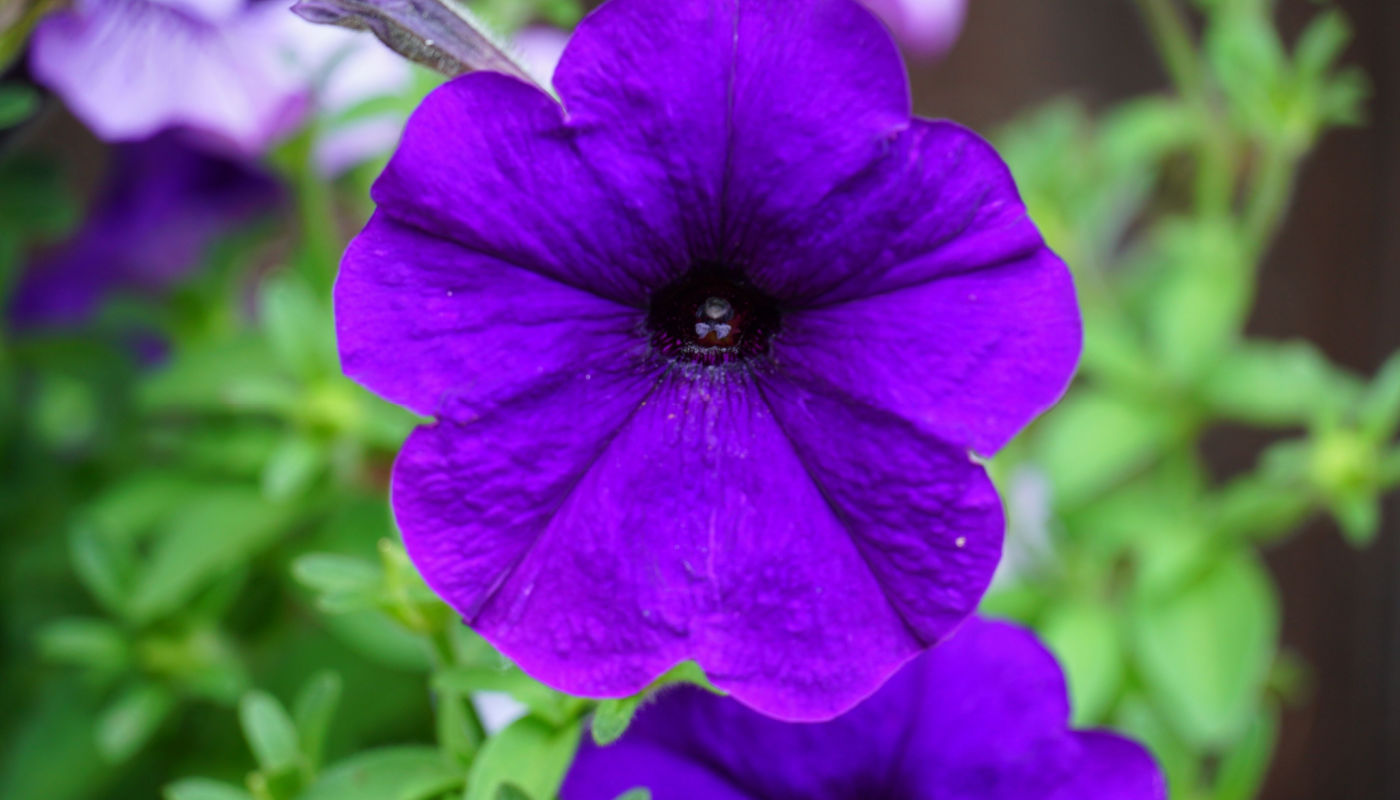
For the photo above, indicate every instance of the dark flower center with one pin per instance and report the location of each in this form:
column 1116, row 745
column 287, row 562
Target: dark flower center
column 711, row 316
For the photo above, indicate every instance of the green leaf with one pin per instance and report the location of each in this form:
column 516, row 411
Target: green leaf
column 204, row 789
column 44, row 738
column 18, row 102
column 129, row 722
column 1246, row 764
column 1204, row 648
column 1320, row 44
column 611, row 718
column 334, row 573
column 639, row 793
column 1200, row 290
column 510, row 791
column 542, row 701
column 1094, row 439
column 395, row 773
column 1276, row 383
column 1248, row 61
column 1136, row 717
column 1358, row 513
column 298, row 325
column 1262, row 504
column 1084, row 637
column 314, row 707
column 531, row 753
column 1379, row 413
column 35, row 200
column 91, row 643
column 104, row 567
column 125, row 511
column 219, row 529
column 292, row 467
column 236, row 374
column 271, row 734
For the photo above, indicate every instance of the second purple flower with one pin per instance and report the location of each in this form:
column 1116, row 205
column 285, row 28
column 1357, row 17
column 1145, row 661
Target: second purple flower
column 709, row 342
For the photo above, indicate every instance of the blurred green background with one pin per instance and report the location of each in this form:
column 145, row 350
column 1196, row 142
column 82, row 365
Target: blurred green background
column 203, row 590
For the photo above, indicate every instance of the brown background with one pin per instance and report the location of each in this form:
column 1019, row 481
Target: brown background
column 1334, row 278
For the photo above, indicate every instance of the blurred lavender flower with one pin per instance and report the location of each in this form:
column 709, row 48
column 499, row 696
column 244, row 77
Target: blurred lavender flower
column 981, row 717
column 539, row 48
column 1027, row 495
column 242, row 73
column 132, row 68
column 346, row 69
column 162, row 203
column 707, row 353
column 926, row 28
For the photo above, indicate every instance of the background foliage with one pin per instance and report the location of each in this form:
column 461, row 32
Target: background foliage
column 204, row 592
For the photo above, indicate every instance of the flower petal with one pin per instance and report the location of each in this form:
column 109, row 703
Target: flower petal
column 489, row 162
column 698, row 535
column 473, row 493
column 991, row 722
column 970, row 358
column 1113, row 768
column 161, row 203
column 694, row 530
column 605, row 773
column 687, row 729
column 131, row 68
column 925, row 518
column 419, row 318
column 980, row 717
column 938, row 201
column 735, row 102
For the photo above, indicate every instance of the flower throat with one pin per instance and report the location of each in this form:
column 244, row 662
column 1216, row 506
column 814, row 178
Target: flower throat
column 711, row 316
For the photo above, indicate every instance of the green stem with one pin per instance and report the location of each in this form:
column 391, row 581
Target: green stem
column 1216, row 172
column 1173, row 40
column 318, row 244
column 459, row 729
column 1268, row 198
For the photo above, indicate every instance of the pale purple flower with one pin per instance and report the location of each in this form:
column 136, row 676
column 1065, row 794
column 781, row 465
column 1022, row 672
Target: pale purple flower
column 132, row 68
column 927, row 28
column 345, row 69
column 539, row 48
column 162, row 203
column 243, row 73
column 981, row 717
column 708, row 346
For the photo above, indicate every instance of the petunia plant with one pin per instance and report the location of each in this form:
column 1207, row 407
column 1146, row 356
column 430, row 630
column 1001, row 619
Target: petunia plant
column 708, row 369
column 649, row 424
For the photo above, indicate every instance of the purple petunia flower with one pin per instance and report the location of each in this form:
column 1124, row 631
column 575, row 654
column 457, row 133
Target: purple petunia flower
column 242, row 73
column 161, row 204
column 132, row 68
column 708, row 346
column 981, row 717
column 926, row 27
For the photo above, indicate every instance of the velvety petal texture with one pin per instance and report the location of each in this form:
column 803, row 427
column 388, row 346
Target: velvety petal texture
column 981, row 717
column 710, row 343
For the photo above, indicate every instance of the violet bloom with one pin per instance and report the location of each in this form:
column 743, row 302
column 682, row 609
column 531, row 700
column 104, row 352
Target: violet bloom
column 708, row 346
column 132, row 68
column 161, row 205
column 926, row 27
column 243, row 73
column 981, row 717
